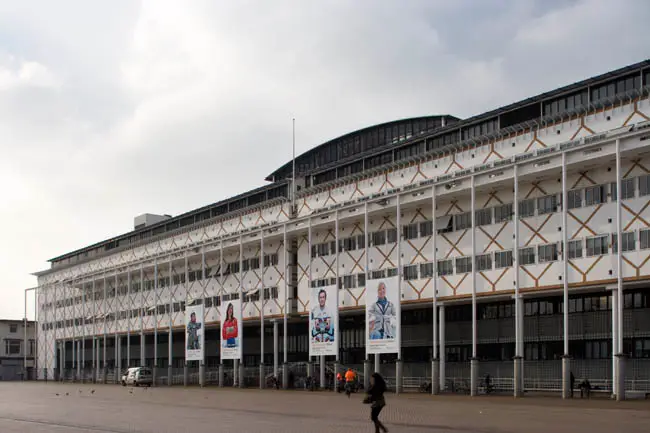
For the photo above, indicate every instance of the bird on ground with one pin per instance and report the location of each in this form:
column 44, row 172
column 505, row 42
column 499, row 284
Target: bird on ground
column 92, row 391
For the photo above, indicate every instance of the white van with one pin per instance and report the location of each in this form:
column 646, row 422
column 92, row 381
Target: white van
column 137, row 376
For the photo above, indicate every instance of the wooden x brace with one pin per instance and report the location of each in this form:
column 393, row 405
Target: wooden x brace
column 386, row 256
column 636, row 215
column 583, row 225
column 454, row 245
column 536, row 233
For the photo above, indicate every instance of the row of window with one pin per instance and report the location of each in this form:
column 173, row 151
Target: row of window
column 577, row 248
column 589, row 196
column 551, row 350
column 164, row 281
column 547, row 307
column 176, row 307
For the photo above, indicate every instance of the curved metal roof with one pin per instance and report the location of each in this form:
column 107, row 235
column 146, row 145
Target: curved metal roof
column 355, row 145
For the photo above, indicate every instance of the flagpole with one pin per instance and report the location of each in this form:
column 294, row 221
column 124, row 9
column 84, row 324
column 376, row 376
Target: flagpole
column 293, row 175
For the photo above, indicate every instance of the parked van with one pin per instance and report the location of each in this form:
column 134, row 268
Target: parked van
column 137, row 376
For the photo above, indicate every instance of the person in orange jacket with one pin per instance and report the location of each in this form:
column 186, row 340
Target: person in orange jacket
column 350, row 378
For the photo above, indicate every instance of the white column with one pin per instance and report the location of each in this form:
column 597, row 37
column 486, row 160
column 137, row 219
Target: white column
column 205, row 312
column 142, row 309
column 128, row 319
column 566, row 361
column 262, row 302
column 443, row 352
column 620, row 372
column 116, row 360
column 366, row 240
column 435, row 365
column 104, row 314
column 275, row 348
column 400, row 276
column 474, row 361
column 519, row 318
column 155, row 318
column 75, row 371
column 287, row 287
column 309, row 273
column 170, row 343
column 221, row 290
column 337, row 331
column 615, row 336
column 95, row 342
column 241, row 297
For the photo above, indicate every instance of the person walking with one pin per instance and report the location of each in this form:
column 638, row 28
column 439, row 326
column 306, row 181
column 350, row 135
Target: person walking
column 375, row 398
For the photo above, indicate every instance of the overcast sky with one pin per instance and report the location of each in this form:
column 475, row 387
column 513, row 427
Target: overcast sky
column 112, row 109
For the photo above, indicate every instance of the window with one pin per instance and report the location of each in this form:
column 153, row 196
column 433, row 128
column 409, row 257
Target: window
column 642, row 348
column 445, row 267
column 462, row 221
column 627, row 189
column 527, row 208
column 597, row 349
column 411, row 272
column 361, row 241
column 484, row 262
column 349, row 281
column 391, row 272
column 391, row 235
column 483, row 217
column 594, row 195
column 629, row 242
column 574, row 198
column 527, row 256
column 269, row 260
column 644, row 185
column 502, row 259
column 426, row 270
column 575, row 249
column 13, row 328
column 597, row 246
column 270, row 293
column 644, row 239
column 463, row 265
column 503, row 213
column 361, row 280
column 410, row 231
column 547, row 253
column 426, row 228
column 12, row 347
column 546, row 204
column 348, row 244
column 378, row 238
column 375, row 275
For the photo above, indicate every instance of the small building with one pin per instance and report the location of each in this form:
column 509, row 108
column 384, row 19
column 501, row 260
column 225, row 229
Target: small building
column 12, row 359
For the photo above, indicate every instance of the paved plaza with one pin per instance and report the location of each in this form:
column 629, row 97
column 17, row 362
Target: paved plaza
column 72, row 408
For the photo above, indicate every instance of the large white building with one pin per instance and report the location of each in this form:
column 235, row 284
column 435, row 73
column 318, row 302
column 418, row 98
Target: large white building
column 523, row 204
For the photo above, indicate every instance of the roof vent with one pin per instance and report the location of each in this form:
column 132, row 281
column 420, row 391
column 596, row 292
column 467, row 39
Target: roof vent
column 148, row 219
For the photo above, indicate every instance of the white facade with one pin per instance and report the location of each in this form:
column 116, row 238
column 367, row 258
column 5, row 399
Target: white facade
column 116, row 294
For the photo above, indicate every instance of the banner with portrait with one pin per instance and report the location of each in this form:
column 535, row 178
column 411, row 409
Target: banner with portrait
column 194, row 333
column 382, row 315
column 231, row 329
column 323, row 321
